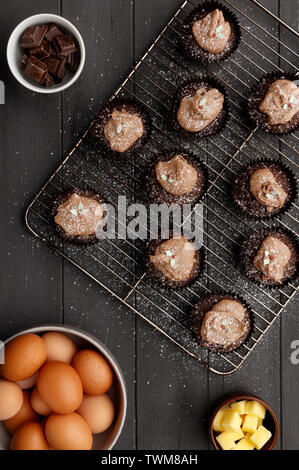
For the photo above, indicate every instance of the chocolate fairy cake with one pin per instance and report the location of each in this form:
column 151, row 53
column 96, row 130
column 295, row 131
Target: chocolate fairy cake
column 210, row 33
column 221, row 322
column 274, row 103
column 270, row 257
column 176, row 178
column 264, row 189
column 200, row 107
column 79, row 215
column 122, row 126
column 175, row 262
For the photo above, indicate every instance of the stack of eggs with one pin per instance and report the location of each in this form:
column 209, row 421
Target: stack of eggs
column 52, row 395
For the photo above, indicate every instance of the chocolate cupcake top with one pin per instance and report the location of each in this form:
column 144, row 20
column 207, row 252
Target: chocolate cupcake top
column 281, row 102
column 224, row 324
column 123, row 129
column 176, row 176
column 272, row 258
column 266, row 190
column 79, row 216
column 212, row 32
column 174, row 258
column 197, row 110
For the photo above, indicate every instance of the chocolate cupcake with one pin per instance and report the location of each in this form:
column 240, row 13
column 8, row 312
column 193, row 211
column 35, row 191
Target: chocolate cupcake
column 79, row 215
column 176, row 178
column 200, row 108
column 264, row 189
column 221, row 322
column 175, row 262
column 270, row 257
column 273, row 103
column 210, row 33
column 122, row 126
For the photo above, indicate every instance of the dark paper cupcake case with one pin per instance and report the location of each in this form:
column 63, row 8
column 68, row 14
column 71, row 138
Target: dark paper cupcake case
column 189, row 87
column 60, row 199
column 190, row 46
column 158, row 277
column 196, row 316
column 158, row 195
column 291, row 199
column 132, row 106
column 256, row 95
column 248, row 251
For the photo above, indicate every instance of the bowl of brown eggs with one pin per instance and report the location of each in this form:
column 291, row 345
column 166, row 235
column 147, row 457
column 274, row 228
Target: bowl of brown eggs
column 60, row 389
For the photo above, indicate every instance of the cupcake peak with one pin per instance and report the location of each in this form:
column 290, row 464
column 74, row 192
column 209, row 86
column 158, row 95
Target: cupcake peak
column 176, row 176
column 212, row 32
column 123, row 129
column 272, row 258
column 266, row 190
column 281, row 102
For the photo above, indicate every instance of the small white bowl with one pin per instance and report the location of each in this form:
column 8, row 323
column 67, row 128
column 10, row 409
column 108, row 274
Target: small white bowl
column 118, row 392
column 14, row 52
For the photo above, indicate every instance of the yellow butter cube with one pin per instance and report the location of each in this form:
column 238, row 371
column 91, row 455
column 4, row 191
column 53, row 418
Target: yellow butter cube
column 255, row 408
column 250, row 424
column 226, row 440
column 260, row 437
column 239, row 406
column 244, row 444
column 237, row 435
column 231, row 421
column 217, row 422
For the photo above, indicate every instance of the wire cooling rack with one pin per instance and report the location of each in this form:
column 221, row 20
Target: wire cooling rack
column 118, row 265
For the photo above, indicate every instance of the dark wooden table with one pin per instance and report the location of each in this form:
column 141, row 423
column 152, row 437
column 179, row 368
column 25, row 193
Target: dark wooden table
column 169, row 394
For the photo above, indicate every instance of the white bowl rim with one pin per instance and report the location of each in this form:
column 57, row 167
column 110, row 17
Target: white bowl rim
column 96, row 343
column 42, row 18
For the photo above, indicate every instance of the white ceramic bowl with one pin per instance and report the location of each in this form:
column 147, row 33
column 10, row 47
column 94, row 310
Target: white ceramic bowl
column 118, row 393
column 14, row 52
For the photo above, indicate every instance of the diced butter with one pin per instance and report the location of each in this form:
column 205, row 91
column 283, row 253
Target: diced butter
column 260, row 437
column 239, row 406
column 231, row 421
column 217, row 422
column 244, row 444
column 255, row 408
column 226, row 440
column 250, row 424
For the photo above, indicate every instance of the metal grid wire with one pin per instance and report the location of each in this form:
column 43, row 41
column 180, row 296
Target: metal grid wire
column 118, row 265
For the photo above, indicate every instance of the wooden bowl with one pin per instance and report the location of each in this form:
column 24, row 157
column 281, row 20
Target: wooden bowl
column 270, row 420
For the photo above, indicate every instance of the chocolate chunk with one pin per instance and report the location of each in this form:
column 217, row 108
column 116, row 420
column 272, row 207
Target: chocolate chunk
column 48, row 80
column 64, row 45
column 55, row 65
column 33, row 36
column 24, row 61
column 35, row 69
column 42, row 51
column 53, row 31
column 73, row 60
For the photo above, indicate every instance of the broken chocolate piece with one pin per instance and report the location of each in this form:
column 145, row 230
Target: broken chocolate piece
column 55, row 65
column 41, row 51
column 24, row 61
column 73, row 60
column 53, row 31
column 64, row 45
column 48, row 80
column 35, row 69
column 33, row 36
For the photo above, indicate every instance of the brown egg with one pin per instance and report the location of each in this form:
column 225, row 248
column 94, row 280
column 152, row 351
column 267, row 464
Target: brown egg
column 24, row 355
column 25, row 414
column 38, row 404
column 68, row 432
column 29, row 436
column 95, row 372
column 59, row 347
column 98, row 412
column 28, row 383
column 11, row 399
column 60, row 387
